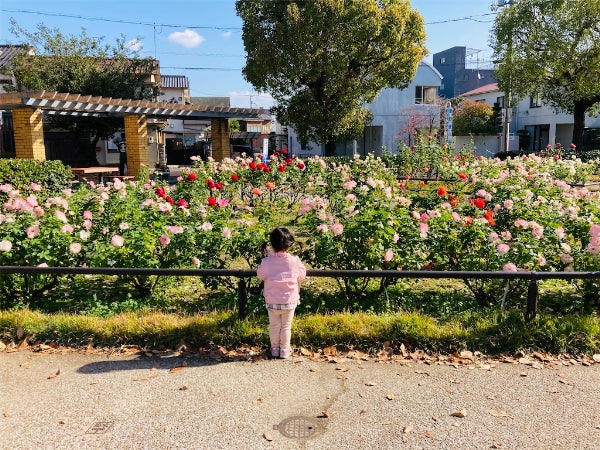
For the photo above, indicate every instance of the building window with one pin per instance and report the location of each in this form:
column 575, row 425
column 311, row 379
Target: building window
column 500, row 101
column 254, row 128
column 442, row 60
column 535, row 101
column 425, row 95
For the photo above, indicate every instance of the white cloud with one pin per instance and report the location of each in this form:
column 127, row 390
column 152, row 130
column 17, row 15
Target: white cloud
column 135, row 45
column 227, row 34
column 187, row 38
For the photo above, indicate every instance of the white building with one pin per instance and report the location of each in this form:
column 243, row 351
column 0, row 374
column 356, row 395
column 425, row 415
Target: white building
column 533, row 124
column 396, row 114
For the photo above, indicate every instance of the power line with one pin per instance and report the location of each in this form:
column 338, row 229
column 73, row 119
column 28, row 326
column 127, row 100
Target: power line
column 212, row 27
column 128, row 22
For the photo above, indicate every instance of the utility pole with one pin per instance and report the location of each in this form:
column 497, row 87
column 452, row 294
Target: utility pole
column 507, row 95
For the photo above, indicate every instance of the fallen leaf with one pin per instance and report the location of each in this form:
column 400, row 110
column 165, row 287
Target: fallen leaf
column 390, row 396
column 323, row 415
column 460, row 413
column 258, row 401
column 563, row 381
column 342, row 369
column 20, row 332
column 496, row 445
column 523, row 374
column 407, row 428
column 6, row 414
column 403, row 350
column 370, row 383
column 499, row 413
column 330, row 351
column 306, row 352
column 62, row 422
column 466, row 354
column 183, row 388
column 313, row 369
column 422, row 372
column 267, row 436
column 54, row 375
column 429, row 434
column 363, row 411
column 2, row 345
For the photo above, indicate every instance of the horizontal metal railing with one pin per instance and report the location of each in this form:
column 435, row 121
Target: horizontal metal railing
column 532, row 276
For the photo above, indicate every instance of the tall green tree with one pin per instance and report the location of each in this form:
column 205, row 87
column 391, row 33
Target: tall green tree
column 84, row 65
column 323, row 60
column 552, row 48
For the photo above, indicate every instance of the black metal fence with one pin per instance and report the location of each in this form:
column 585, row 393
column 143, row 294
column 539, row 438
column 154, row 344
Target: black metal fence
column 242, row 274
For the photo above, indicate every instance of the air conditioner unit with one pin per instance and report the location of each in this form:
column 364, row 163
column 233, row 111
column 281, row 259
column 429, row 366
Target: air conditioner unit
column 150, row 139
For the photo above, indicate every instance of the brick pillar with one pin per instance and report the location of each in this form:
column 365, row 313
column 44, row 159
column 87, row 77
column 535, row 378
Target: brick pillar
column 29, row 134
column 136, row 138
column 220, row 139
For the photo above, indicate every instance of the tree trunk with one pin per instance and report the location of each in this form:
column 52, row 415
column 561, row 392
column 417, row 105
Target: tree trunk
column 330, row 148
column 578, row 122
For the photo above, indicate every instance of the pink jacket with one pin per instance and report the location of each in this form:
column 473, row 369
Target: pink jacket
column 281, row 273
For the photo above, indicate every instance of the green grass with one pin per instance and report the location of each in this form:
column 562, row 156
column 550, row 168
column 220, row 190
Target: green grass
column 431, row 315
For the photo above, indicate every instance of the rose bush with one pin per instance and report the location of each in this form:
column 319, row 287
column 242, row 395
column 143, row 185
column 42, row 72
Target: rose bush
column 517, row 214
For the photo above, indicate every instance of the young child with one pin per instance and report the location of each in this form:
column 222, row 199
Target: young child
column 281, row 272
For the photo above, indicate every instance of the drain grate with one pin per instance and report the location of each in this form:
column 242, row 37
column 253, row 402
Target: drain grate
column 100, row 427
column 298, row 427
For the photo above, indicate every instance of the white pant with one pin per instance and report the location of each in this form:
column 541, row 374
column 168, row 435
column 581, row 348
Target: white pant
column 280, row 327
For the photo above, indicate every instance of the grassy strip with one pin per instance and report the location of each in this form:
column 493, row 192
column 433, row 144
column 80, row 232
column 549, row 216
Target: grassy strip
column 490, row 332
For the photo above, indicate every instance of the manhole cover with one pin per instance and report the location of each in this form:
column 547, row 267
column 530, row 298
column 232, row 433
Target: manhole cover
column 100, row 427
column 298, row 427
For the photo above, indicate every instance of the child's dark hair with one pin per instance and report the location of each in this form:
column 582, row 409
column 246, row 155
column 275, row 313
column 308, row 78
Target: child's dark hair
column 280, row 239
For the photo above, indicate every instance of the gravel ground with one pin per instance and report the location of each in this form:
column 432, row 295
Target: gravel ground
column 97, row 401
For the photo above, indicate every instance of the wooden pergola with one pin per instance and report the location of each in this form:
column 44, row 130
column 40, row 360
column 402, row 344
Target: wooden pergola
column 28, row 109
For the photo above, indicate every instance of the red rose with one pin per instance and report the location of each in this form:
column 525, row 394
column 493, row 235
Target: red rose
column 572, row 146
column 160, row 191
column 181, row 203
column 212, row 201
column 191, row 176
column 479, row 202
column 301, row 165
column 284, row 151
column 252, row 165
column 234, row 177
column 210, row 183
column 462, row 176
column 169, row 199
column 281, row 168
column 219, row 185
column 266, row 169
column 442, row 192
column 289, row 160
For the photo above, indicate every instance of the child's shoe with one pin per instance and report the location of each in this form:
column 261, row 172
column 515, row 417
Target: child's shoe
column 285, row 352
column 275, row 352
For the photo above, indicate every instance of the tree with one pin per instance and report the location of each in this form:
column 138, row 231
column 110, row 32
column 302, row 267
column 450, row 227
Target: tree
column 472, row 117
column 551, row 48
column 323, row 60
column 81, row 65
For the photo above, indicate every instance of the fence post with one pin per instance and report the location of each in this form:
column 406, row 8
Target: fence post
column 242, row 300
column 532, row 297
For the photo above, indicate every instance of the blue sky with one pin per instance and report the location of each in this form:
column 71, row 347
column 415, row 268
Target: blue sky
column 202, row 38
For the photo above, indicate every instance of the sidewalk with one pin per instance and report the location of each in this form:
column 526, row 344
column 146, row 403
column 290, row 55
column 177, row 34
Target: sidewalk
column 98, row 401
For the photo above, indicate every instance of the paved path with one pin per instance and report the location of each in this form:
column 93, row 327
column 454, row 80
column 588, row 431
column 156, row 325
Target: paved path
column 137, row 402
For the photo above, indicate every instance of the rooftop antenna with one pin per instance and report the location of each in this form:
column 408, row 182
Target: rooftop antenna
column 500, row 3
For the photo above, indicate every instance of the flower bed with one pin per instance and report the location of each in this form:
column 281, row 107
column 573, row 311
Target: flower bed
column 518, row 214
